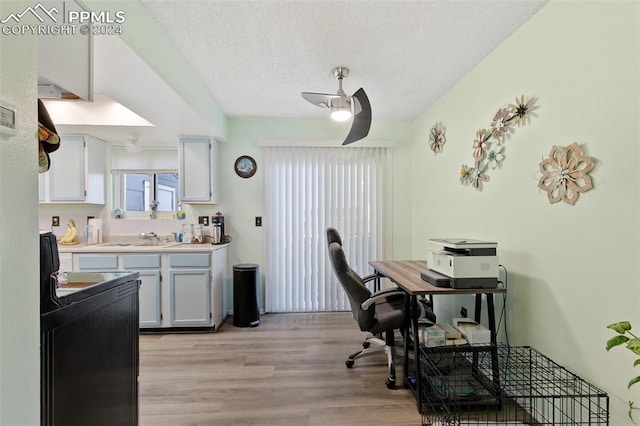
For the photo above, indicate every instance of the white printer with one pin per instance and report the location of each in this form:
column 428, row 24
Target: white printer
column 462, row 263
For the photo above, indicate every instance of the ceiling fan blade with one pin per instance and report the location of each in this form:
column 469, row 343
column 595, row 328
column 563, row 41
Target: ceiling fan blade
column 361, row 117
column 319, row 99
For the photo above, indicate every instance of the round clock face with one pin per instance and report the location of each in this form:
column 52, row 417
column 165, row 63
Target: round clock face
column 245, row 166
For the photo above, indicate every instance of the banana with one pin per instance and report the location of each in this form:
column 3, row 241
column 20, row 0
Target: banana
column 66, row 235
column 70, row 234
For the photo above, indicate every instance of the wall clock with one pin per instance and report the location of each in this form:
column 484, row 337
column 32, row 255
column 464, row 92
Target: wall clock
column 245, row 166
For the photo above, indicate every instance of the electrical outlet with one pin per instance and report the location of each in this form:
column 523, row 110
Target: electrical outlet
column 463, row 312
column 203, row 220
column 55, row 220
column 258, row 220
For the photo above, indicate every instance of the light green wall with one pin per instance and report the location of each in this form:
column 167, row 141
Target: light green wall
column 19, row 253
column 242, row 199
column 572, row 270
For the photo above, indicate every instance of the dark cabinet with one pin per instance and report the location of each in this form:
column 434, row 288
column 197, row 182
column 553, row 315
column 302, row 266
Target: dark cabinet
column 89, row 358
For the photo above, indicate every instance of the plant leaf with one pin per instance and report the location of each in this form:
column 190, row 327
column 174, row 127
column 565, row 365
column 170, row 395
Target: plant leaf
column 637, row 362
column 617, row 340
column 633, row 381
column 620, row 327
column 634, row 345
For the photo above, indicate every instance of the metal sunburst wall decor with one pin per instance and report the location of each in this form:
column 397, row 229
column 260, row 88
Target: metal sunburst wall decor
column 437, row 138
column 565, row 174
column 489, row 144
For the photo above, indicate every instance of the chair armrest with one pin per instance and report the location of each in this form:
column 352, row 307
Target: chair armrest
column 380, row 295
column 372, row 277
column 426, row 315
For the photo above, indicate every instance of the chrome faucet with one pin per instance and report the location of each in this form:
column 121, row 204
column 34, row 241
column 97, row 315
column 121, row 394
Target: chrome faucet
column 149, row 236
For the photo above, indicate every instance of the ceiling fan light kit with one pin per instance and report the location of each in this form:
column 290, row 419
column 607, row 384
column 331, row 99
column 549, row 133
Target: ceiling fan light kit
column 341, row 109
column 344, row 107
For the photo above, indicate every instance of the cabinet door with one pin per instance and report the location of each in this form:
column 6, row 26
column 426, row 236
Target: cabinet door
column 190, row 298
column 150, row 299
column 150, row 293
column 195, row 170
column 67, row 172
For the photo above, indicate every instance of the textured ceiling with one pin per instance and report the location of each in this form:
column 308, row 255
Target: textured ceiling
column 256, row 56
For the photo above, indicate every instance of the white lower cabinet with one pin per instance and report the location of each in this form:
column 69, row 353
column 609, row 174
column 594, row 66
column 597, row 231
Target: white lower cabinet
column 190, row 288
column 176, row 290
column 190, row 296
column 150, row 292
column 150, row 297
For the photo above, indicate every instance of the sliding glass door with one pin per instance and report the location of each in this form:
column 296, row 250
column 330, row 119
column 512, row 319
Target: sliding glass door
column 308, row 189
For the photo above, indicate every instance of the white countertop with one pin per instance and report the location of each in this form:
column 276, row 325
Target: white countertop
column 137, row 247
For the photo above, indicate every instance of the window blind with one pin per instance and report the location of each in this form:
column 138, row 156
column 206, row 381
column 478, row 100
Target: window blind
column 156, row 159
column 306, row 191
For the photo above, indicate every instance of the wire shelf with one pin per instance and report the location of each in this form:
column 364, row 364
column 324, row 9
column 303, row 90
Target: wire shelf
column 504, row 385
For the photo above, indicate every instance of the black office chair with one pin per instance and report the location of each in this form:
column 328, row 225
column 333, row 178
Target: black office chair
column 377, row 313
column 381, row 312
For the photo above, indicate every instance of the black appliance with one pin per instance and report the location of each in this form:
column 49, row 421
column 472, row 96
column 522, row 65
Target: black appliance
column 88, row 344
column 49, row 265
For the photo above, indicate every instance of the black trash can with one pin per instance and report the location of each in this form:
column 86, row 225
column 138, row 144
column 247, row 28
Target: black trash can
column 245, row 295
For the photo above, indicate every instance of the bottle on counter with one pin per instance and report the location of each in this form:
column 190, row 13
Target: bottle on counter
column 187, row 233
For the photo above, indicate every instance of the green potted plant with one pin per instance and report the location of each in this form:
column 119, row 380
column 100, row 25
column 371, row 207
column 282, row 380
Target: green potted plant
column 632, row 342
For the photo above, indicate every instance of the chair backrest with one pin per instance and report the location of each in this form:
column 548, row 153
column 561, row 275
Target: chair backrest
column 353, row 285
column 333, row 236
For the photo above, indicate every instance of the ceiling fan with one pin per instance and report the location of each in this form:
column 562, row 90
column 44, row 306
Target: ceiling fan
column 344, row 107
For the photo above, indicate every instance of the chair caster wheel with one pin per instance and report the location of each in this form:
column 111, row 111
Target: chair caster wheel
column 391, row 384
column 349, row 363
column 366, row 344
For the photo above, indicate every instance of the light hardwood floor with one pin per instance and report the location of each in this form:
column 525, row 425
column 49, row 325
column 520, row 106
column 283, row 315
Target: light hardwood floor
column 288, row 371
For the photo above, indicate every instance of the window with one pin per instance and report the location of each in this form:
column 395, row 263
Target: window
column 141, row 189
column 141, row 178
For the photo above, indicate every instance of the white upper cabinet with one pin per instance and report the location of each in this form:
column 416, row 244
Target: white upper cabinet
column 77, row 173
column 67, row 60
column 198, row 170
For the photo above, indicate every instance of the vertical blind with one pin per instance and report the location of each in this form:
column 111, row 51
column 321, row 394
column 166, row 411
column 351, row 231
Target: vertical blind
column 306, row 191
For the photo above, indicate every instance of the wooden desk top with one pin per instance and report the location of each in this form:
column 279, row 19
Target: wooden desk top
column 406, row 274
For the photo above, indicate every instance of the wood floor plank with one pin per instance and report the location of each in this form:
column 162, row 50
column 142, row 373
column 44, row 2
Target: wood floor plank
column 287, row 371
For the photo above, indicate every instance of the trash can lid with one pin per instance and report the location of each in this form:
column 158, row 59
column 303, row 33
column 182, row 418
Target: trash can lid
column 246, row 266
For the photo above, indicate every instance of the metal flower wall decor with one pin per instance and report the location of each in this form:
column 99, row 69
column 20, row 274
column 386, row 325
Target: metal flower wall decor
column 437, row 138
column 565, row 174
column 489, row 144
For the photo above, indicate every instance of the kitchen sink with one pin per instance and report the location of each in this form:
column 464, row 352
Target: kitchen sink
column 123, row 244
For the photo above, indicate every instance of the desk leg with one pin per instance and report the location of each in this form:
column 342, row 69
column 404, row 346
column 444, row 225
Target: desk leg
column 417, row 379
column 405, row 355
column 477, row 314
column 478, row 309
column 494, row 341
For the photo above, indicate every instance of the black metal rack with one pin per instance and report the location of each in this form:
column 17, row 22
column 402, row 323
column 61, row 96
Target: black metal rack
column 459, row 388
